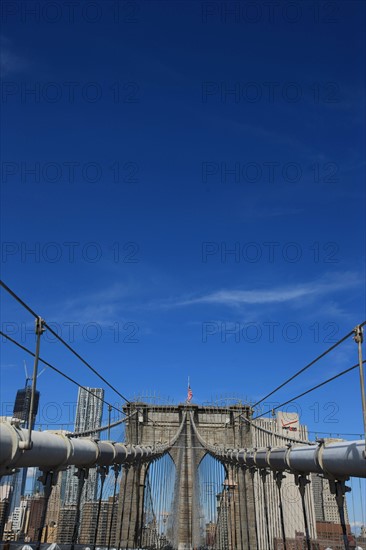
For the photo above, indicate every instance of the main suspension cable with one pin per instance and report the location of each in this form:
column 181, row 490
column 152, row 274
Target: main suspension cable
column 269, row 432
column 90, row 367
column 310, row 390
column 86, row 363
column 18, row 299
column 60, row 372
column 308, row 365
column 85, row 433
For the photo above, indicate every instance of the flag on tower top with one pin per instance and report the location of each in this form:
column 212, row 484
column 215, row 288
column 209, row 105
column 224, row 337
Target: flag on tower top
column 189, row 393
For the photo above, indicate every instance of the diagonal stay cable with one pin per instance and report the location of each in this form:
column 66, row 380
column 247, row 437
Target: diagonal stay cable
column 86, row 363
column 310, row 390
column 59, row 372
column 286, row 438
column 308, row 365
column 85, row 433
column 32, row 312
column 18, row 299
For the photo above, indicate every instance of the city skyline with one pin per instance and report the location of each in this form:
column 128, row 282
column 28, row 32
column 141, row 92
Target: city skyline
column 268, row 433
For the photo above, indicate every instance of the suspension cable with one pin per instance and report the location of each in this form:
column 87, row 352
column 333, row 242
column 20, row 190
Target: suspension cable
column 330, row 434
column 60, row 372
column 102, row 475
column 86, row 363
column 234, row 493
column 102, row 428
column 30, row 310
column 279, row 476
column 286, row 438
column 18, row 299
column 302, row 481
column 134, row 468
column 310, row 390
column 47, row 479
column 81, row 474
column 308, row 365
column 264, row 473
column 242, row 475
column 361, row 501
column 339, row 489
column 121, row 505
column 252, row 474
column 117, row 469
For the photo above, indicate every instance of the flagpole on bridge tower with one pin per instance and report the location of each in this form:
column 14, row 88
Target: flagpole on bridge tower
column 189, row 392
column 358, row 338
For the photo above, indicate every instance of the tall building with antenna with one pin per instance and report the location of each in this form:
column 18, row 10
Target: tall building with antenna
column 88, row 417
column 21, row 411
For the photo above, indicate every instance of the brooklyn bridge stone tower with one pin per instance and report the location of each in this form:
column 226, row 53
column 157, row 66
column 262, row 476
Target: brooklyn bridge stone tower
column 150, row 424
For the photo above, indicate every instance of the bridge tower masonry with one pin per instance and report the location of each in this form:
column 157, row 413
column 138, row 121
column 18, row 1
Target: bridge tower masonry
column 153, row 424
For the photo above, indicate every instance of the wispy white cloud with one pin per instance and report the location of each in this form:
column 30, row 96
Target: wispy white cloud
column 103, row 307
column 10, row 62
column 275, row 295
column 120, row 300
column 8, row 366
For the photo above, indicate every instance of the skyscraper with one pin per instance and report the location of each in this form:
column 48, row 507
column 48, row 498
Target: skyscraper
column 88, row 417
column 5, row 496
column 270, row 432
column 21, row 411
column 326, row 508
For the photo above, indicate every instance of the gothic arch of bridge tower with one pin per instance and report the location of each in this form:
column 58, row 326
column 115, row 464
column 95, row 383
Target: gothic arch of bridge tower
column 221, row 427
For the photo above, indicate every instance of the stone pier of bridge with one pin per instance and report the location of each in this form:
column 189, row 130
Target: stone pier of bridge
column 153, row 424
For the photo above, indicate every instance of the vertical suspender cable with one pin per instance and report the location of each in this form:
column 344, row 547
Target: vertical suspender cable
column 116, row 469
column 361, row 501
column 81, row 474
column 302, row 482
column 252, row 473
column 264, row 475
column 279, row 477
column 234, row 493
column 358, row 338
column 47, row 481
column 339, row 489
column 238, row 472
column 126, row 469
column 142, row 513
column 246, row 503
column 102, row 471
column 138, row 504
column 27, row 445
column 130, row 512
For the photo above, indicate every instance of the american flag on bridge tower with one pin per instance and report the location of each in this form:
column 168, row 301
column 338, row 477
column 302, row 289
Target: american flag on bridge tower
column 189, row 393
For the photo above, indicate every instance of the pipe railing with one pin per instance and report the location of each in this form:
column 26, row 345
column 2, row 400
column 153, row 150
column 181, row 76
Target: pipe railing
column 55, row 450
column 338, row 460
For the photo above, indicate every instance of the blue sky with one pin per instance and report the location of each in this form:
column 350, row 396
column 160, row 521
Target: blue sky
column 191, row 184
